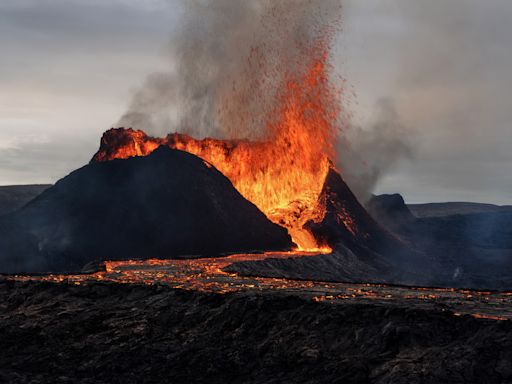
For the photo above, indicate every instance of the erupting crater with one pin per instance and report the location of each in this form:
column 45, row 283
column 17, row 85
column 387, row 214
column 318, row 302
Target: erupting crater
column 285, row 186
column 283, row 174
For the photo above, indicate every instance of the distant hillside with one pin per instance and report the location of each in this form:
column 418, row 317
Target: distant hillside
column 454, row 208
column 13, row 197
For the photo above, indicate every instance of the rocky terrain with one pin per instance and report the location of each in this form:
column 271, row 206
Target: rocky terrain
column 111, row 333
column 118, row 333
column 470, row 250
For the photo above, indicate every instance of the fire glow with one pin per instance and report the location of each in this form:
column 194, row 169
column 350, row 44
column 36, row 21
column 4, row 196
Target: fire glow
column 283, row 173
column 207, row 275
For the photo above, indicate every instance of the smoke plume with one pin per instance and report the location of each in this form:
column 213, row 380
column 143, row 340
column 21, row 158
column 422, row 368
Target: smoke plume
column 227, row 62
column 368, row 153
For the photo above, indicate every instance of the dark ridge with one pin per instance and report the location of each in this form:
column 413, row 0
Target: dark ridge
column 455, row 208
column 348, row 224
column 168, row 204
column 13, row 197
column 389, row 210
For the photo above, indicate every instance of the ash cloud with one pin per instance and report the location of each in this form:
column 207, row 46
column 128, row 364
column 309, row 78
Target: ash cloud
column 367, row 153
column 444, row 64
column 226, row 63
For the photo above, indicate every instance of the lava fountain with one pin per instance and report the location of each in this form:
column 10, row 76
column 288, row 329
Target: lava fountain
column 284, row 172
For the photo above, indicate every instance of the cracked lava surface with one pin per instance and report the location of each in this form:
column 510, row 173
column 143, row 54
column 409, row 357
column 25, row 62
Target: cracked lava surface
column 206, row 275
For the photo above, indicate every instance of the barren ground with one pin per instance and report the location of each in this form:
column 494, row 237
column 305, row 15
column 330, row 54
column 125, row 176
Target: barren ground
column 104, row 332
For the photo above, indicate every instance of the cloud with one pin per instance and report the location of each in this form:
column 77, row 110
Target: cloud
column 366, row 154
column 444, row 65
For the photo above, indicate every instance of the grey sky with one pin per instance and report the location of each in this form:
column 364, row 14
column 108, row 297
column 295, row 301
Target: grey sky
column 69, row 68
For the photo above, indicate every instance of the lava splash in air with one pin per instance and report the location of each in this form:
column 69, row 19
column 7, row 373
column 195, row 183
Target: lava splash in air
column 284, row 172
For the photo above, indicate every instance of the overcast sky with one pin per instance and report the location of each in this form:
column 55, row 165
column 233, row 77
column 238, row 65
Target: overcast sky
column 70, row 67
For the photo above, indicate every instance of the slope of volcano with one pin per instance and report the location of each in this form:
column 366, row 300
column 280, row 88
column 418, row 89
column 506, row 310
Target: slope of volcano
column 168, row 204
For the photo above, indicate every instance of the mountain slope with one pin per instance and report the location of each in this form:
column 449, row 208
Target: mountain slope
column 168, row 204
column 13, row 197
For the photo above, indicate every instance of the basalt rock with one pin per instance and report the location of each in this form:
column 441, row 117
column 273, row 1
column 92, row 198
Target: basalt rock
column 122, row 333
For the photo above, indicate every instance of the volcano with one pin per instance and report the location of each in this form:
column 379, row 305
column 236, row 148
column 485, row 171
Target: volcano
column 285, row 168
column 324, row 213
column 143, row 197
column 168, row 204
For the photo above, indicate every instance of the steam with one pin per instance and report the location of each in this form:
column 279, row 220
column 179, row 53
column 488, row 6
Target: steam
column 366, row 154
column 227, row 62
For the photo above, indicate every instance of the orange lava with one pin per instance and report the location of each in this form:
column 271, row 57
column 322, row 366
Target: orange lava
column 207, row 275
column 283, row 173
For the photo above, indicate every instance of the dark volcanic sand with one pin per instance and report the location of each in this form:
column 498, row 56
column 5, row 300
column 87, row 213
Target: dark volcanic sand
column 123, row 333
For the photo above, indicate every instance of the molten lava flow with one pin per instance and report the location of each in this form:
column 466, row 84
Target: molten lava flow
column 208, row 275
column 283, row 174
